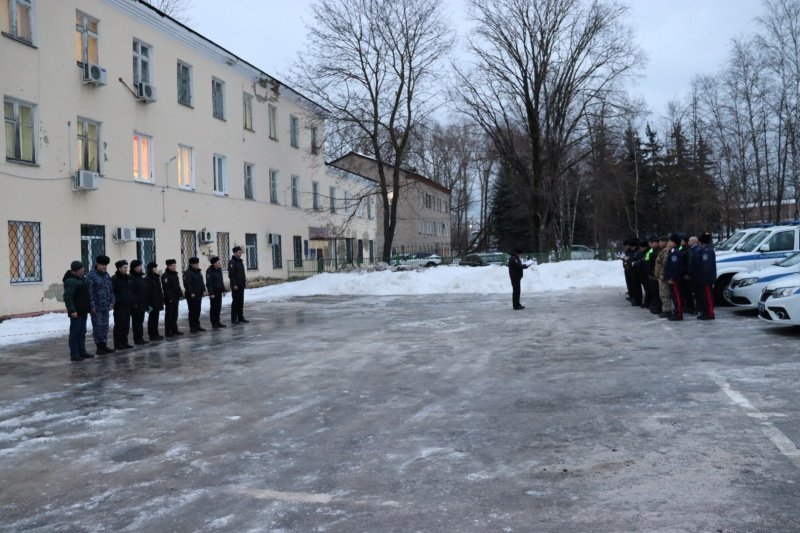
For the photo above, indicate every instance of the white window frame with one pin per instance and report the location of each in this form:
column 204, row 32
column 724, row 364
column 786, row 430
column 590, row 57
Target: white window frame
column 87, row 35
column 294, row 131
column 332, row 191
column 182, row 171
column 189, row 83
column 247, row 110
column 347, row 206
column 139, row 59
column 295, row 191
column 137, row 159
column 251, row 251
column 13, row 23
column 220, row 174
column 249, row 178
column 218, row 87
column 273, row 186
column 315, row 196
column 16, row 125
column 82, row 127
column 20, row 251
column 314, row 140
column 272, row 115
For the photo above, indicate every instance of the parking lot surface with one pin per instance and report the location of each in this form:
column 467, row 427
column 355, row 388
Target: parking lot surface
column 435, row 413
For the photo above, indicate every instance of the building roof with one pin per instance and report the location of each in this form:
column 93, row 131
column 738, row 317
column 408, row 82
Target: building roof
column 233, row 57
column 412, row 174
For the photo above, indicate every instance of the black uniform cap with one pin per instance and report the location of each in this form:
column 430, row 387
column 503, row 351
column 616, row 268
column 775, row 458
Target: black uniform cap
column 193, row 261
column 171, row 262
column 121, row 263
column 102, row 260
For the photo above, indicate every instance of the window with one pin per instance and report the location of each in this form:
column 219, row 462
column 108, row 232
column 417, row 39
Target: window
column 184, row 83
column 251, row 250
column 24, row 251
column 347, row 206
column 273, row 186
column 277, row 254
column 782, row 241
column 295, row 191
column 185, row 167
column 247, row 105
column 18, row 19
column 224, row 247
column 142, row 59
column 20, row 119
column 145, row 245
column 293, row 132
column 142, row 157
column 86, row 38
column 298, row 251
column 333, row 199
column 315, row 195
column 369, row 208
column 371, row 246
column 93, row 243
column 220, row 174
column 218, row 98
column 272, row 112
column 248, row 181
column 88, row 145
column 314, row 141
column 188, row 247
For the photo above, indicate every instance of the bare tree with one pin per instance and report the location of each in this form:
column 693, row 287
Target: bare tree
column 373, row 65
column 543, row 66
column 178, row 9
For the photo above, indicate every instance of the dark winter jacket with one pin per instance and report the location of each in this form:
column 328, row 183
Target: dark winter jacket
column 676, row 264
column 704, row 265
column 76, row 294
column 122, row 290
column 515, row 267
column 138, row 292
column 193, row 283
column 101, row 291
column 236, row 272
column 171, row 284
column 155, row 297
column 214, row 281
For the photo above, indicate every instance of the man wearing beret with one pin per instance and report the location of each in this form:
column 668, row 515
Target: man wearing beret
column 76, row 298
column 138, row 301
column 101, row 300
column 238, row 280
column 705, row 276
column 215, row 286
column 171, row 286
column 155, row 301
column 193, row 289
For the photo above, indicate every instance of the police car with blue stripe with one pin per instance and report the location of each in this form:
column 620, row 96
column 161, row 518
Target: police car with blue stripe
column 746, row 287
column 762, row 248
column 780, row 302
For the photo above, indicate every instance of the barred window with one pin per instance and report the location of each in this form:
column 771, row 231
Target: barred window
column 188, row 247
column 93, row 243
column 145, row 245
column 298, row 251
column 24, row 251
column 277, row 253
column 224, row 247
column 251, row 250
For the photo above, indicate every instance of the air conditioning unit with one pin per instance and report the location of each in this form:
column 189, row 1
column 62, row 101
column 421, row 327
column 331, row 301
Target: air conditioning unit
column 125, row 234
column 145, row 92
column 85, row 180
column 205, row 237
column 94, row 74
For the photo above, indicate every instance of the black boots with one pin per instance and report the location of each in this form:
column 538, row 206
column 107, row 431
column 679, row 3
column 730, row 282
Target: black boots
column 103, row 349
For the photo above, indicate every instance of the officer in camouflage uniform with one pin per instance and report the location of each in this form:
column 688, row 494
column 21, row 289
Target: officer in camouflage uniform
column 101, row 300
column 663, row 284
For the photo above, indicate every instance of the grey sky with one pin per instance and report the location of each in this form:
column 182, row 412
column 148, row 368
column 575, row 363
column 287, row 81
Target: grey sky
column 682, row 38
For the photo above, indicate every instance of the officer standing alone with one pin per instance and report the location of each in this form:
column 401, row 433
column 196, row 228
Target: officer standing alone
column 515, row 268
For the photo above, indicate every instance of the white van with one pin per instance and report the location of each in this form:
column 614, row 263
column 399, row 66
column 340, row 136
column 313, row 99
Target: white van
column 761, row 248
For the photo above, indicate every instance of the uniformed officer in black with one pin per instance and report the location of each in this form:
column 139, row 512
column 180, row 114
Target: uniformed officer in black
column 171, row 285
column 238, row 279
column 193, row 290
column 121, row 282
column 138, row 301
column 215, row 286
column 515, row 268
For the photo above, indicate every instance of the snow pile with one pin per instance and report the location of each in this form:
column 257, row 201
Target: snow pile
column 440, row 280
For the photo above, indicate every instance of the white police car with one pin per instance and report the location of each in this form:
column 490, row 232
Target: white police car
column 780, row 302
column 746, row 287
column 738, row 237
column 763, row 248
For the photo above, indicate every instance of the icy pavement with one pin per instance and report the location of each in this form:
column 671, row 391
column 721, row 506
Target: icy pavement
column 415, row 413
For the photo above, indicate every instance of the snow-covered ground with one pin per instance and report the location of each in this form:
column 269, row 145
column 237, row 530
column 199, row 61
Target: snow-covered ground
column 441, row 280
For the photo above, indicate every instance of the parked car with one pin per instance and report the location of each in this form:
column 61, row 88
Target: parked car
column 426, row 259
column 482, row 259
column 746, row 287
column 760, row 249
column 579, row 251
column 779, row 303
column 738, row 237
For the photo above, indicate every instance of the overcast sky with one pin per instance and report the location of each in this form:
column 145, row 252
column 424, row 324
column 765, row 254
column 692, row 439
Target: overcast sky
column 681, row 38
